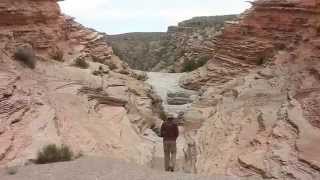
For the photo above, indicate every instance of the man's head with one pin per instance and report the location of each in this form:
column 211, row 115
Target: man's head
column 170, row 119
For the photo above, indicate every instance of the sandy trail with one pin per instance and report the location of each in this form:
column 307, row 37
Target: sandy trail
column 94, row 168
column 163, row 83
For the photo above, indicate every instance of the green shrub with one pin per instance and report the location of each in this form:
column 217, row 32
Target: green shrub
column 12, row 170
column 26, row 55
column 262, row 60
column 117, row 51
column 191, row 65
column 52, row 153
column 203, row 60
column 81, row 62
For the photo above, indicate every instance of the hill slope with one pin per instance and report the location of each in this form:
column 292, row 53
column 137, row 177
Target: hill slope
column 98, row 169
column 168, row 51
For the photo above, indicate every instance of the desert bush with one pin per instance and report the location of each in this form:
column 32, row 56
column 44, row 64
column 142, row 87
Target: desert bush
column 12, row 170
column 81, row 62
column 52, row 153
column 117, row 51
column 57, row 54
column 26, row 55
column 262, row 60
column 203, row 60
column 191, row 65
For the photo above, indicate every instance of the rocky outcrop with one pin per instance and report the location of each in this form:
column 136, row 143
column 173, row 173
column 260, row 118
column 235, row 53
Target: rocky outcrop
column 171, row 51
column 34, row 22
column 192, row 39
column 175, row 100
column 102, row 109
column 141, row 51
column 257, row 115
column 254, row 39
column 178, row 98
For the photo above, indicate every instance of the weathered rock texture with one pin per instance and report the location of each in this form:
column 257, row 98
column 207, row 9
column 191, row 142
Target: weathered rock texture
column 262, row 31
column 103, row 110
column 259, row 112
column 141, row 51
column 29, row 21
column 169, row 51
column 192, row 39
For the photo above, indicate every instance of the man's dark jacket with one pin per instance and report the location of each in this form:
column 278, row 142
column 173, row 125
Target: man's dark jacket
column 169, row 131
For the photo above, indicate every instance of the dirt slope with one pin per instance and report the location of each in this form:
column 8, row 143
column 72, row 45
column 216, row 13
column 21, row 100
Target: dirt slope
column 99, row 169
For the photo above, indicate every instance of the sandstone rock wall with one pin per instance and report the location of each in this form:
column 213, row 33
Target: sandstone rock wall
column 252, row 41
column 102, row 110
column 192, row 39
column 255, row 118
column 169, row 51
column 141, row 51
column 35, row 22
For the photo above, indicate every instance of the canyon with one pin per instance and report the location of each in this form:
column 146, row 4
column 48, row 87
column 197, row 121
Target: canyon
column 170, row 51
column 102, row 109
column 251, row 111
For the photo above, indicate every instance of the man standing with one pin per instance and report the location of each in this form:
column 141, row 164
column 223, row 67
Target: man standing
column 170, row 133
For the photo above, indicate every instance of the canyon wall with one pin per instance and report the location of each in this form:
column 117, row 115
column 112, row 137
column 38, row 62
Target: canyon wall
column 86, row 98
column 140, row 50
column 34, row 22
column 259, row 112
column 182, row 48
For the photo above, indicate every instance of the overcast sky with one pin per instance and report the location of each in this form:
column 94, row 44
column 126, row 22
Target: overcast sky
column 121, row 16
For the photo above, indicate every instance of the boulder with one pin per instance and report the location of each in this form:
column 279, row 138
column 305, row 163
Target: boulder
column 178, row 98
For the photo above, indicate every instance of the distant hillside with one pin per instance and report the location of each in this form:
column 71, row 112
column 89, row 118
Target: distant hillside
column 172, row 51
column 205, row 21
column 139, row 50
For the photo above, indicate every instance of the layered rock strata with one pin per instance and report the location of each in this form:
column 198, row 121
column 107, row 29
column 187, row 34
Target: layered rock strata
column 258, row 117
column 170, row 51
column 38, row 23
column 254, row 39
column 102, row 110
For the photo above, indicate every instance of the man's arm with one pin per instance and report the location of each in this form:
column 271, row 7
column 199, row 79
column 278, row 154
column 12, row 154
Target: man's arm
column 162, row 130
column 176, row 130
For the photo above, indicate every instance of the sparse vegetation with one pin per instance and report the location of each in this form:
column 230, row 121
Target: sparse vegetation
column 205, row 21
column 203, row 60
column 26, row 55
column 117, row 51
column 191, row 65
column 52, row 153
column 81, row 62
column 57, row 54
column 12, row 170
column 262, row 60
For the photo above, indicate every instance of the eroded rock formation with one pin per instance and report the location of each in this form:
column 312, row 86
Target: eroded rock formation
column 171, row 51
column 262, row 31
column 102, row 110
column 259, row 112
column 34, row 22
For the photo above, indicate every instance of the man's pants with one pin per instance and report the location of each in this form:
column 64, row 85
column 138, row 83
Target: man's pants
column 170, row 152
